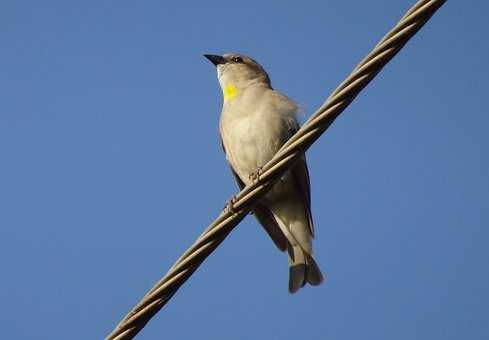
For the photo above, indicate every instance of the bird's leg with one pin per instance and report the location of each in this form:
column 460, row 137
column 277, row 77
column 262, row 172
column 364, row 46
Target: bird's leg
column 229, row 206
column 255, row 175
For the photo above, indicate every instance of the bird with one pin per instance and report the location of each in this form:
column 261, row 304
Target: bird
column 255, row 122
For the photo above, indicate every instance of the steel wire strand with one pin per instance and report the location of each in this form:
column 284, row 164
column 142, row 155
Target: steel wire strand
column 244, row 201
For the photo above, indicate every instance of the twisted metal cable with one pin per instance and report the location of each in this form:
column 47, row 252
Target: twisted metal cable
column 244, row 201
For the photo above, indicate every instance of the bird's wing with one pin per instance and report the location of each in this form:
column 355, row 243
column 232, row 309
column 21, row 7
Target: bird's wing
column 263, row 215
column 269, row 223
column 300, row 175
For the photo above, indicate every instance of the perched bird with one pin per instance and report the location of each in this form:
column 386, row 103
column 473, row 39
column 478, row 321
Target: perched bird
column 255, row 122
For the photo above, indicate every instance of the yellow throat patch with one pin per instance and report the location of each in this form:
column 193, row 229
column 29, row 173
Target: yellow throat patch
column 229, row 92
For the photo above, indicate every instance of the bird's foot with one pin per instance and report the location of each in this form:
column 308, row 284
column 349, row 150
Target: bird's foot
column 255, row 175
column 229, row 206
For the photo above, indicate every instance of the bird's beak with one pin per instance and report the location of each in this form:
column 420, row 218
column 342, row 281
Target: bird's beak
column 215, row 59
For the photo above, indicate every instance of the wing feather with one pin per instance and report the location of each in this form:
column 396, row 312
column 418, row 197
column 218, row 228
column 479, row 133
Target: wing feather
column 300, row 174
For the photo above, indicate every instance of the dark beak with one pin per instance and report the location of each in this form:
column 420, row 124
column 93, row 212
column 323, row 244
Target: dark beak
column 215, row 59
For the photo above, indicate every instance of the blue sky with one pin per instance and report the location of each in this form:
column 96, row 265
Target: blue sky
column 110, row 166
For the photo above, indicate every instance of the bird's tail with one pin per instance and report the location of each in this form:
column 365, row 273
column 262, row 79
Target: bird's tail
column 302, row 269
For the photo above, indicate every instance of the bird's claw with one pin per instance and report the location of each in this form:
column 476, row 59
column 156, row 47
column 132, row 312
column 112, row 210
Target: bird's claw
column 255, row 175
column 229, row 206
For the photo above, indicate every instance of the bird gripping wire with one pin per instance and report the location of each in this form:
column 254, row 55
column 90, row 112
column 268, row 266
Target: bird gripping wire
column 315, row 126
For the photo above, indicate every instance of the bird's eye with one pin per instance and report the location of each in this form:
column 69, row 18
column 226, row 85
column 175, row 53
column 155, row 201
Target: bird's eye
column 237, row 59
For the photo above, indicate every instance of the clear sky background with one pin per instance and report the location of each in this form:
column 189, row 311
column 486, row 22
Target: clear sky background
column 110, row 167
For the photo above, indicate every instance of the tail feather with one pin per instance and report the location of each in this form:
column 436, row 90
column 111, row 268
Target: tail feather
column 313, row 274
column 302, row 269
column 297, row 268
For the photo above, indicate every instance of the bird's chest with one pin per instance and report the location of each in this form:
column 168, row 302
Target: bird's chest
column 250, row 141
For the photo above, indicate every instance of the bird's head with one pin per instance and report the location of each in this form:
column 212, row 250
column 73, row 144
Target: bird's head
column 236, row 72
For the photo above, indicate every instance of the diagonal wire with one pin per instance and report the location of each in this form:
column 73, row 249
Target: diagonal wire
column 315, row 126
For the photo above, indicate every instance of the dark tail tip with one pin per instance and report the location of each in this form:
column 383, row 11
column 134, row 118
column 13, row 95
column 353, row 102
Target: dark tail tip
column 313, row 274
column 297, row 277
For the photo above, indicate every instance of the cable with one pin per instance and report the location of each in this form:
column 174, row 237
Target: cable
column 244, row 201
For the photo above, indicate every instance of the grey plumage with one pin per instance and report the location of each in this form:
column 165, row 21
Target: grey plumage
column 255, row 122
